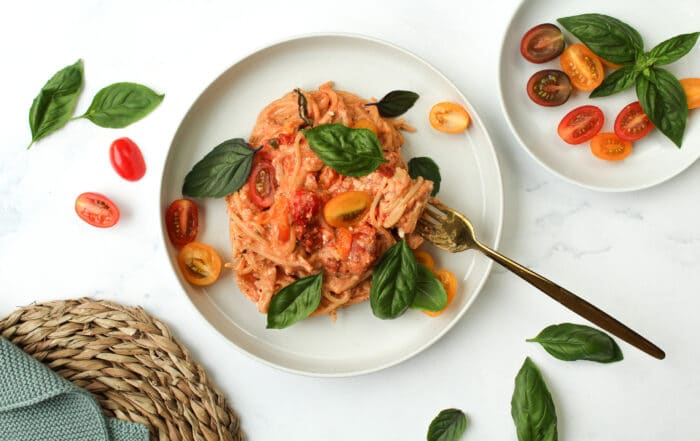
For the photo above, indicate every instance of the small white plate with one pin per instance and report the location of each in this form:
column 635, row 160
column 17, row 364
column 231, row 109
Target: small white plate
column 655, row 158
column 357, row 342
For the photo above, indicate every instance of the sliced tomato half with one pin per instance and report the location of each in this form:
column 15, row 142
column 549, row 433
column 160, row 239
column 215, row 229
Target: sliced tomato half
column 632, row 123
column 581, row 124
column 97, row 210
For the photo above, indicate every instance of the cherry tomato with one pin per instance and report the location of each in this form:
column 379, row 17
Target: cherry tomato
column 584, row 69
column 425, row 259
column 366, row 124
column 632, row 123
column 581, row 124
column 127, row 160
column 262, row 183
column 542, row 43
column 691, row 87
column 97, row 210
column 449, row 282
column 609, row 147
column 304, row 207
column 347, row 209
column 182, row 222
column 549, row 87
column 199, row 263
column 449, row 117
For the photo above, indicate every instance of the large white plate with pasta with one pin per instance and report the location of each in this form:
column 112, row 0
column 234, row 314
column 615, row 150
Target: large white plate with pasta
column 357, row 342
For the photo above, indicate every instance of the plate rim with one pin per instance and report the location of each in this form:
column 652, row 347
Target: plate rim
column 499, row 206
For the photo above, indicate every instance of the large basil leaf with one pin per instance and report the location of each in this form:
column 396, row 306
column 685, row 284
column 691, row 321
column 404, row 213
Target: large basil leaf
column 350, row 152
column 532, row 407
column 607, row 37
column 121, row 104
column 663, row 100
column 430, row 293
column 428, row 169
column 394, row 282
column 294, row 302
column 448, row 425
column 54, row 105
column 569, row 342
column 672, row 49
column 221, row 172
column 617, row 81
column 395, row 103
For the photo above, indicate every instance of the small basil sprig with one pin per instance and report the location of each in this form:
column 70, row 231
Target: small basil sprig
column 430, row 293
column 294, row 302
column 121, row 104
column 570, row 342
column 221, row 172
column 428, row 169
column 532, row 407
column 394, row 282
column 395, row 103
column 350, row 152
column 448, row 425
column 54, row 105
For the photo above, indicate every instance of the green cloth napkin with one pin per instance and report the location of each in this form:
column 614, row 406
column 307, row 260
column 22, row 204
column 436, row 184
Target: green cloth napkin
column 39, row 405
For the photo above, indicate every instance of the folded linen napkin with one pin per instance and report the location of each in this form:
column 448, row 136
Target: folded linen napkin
column 39, row 405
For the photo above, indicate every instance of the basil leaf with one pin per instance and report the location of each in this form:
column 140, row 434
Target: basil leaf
column 394, row 282
column 54, row 105
column 395, row 103
column 663, row 100
column 532, row 407
column 430, row 293
column 303, row 108
column 607, row 37
column 674, row 48
column 221, row 172
column 121, row 104
column 617, row 81
column 569, row 342
column 448, row 425
column 428, row 169
column 350, row 152
column 294, row 302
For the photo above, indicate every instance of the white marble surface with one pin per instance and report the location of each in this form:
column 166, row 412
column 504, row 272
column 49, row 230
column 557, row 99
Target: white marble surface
column 636, row 255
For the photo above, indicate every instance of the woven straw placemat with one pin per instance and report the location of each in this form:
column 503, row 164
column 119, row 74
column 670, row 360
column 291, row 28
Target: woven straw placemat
column 130, row 361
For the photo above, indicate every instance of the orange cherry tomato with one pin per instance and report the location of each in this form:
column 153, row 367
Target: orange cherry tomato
column 97, row 210
column 610, row 147
column 449, row 282
column 691, row 87
column 199, row 263
column 449, row 117
column 347, row 209
column 583, row 68
column 425, row 259
column 366, row 124
column 278, row 218
column 343, row 242
column 182, row 222
column 609, row 64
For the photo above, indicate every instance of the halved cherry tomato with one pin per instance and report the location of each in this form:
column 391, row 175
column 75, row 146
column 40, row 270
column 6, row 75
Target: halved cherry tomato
column 449, row 282
column 366, row 124
column 347, row 209
column 449, row 117
column 97, row 210
column 199, row 263
column 581, row 124
column 182, row 222
column 609, row 147
column 343, row 238
column 127, row 160
column 691, row 87
column 262, row 183
column 542, row 43
column 632, row 123
column 549, row 87
column 582, row 66
column 425, row 259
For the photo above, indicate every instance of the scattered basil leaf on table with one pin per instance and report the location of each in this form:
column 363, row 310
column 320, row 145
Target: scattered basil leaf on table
column 428, row 169
column 350, row 152
column 121, row 104
column 54, row 105
column 664, row 102
column 294, row 302
column 430, row 294
column 607, row 37
column 616, row 81
column 672, row 49
column 221, row 172
column 569, row 342
column 448, row 425
column 393, row 282
column 395, row 103
column 532, row 407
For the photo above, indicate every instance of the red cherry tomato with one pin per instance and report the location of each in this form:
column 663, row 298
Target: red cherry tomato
column 632, row 123
column 97, row 210
column 262, row 183
column 127, row 159
column 581, row 124
column 182, row 222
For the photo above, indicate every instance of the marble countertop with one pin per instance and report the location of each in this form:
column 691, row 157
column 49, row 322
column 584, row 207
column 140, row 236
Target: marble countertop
column 636, row 255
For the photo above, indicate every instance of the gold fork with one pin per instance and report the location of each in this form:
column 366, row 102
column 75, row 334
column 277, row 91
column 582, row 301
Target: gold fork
column 453, row 232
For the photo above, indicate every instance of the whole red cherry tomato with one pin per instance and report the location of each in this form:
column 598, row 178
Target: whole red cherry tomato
column 127, row 159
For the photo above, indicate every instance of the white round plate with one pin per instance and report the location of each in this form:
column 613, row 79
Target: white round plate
column 357, row 342
column 655, row 158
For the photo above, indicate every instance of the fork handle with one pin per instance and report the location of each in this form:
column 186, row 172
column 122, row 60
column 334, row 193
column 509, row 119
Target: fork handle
column 576, row 304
